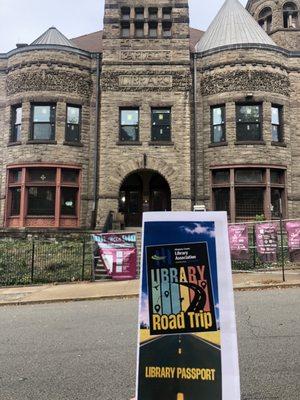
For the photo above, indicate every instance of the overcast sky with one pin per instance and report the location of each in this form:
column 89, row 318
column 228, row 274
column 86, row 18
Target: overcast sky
column 22, row 21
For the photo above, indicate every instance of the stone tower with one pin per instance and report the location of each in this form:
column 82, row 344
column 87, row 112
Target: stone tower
column 280, row 19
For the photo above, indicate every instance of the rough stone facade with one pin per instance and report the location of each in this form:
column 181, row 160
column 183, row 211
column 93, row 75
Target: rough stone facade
column 143, row 74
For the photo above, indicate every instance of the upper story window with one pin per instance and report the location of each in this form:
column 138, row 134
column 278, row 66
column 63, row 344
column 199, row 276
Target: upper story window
column 16, row 124
column 43, row 122
column 153, row 29
column 139, row 13
column 218, row 126
column 125, row 29
column 277, row 124
column 73, row 124
column 153, row 13
column 248, row 122
column 161, row 124
column 129, row 125
column 167, row 13
column 265, row 19
column 290, row 15
column 167, row 29
column 139, row 29
column 125, row 13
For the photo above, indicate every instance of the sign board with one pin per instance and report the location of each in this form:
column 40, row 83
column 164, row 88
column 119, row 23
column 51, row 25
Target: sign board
column 187, row 346
column 118, row 254
column 239, row 241
column 293, row 233
column 267, row 241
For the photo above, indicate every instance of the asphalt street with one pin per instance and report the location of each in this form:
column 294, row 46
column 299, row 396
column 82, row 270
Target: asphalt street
column 87, row 350
column 179, row 351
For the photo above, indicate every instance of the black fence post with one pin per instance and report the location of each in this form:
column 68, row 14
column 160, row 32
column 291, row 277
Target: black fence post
column 254, row 247
column 83, row 259
column 282, row 251
column 32, row 260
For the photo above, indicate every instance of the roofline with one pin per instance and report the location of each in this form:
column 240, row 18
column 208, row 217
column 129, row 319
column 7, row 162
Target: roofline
column 52, row 47
column 267, row 47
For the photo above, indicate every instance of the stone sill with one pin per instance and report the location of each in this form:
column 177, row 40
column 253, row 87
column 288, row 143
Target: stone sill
column 220, row 144
column 251, row 142
column 11, row 144
column 41, row 142
column 161, row 143
column 125, row 143
column 278, row 144
column 74, row 144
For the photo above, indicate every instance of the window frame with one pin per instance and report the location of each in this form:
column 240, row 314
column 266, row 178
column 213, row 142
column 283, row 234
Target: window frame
column 212, row 125
column 52, row 123
column 12, row 137
column 243, row 104
column 136, row 125
column 163, row 125
column 79, row 123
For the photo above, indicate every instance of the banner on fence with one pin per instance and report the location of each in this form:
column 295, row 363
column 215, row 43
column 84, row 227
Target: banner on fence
column 267, row 241
column 187, row 337
column 293, row 233
column 118, row 253
column 239, row 241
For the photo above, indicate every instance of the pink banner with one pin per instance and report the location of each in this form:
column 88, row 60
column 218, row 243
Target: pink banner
column 239, row 241
column 293, row 233
column 267, row 241
column 118, row 253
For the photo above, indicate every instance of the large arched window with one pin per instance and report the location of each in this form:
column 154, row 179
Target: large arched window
column 265, row 19
column 290, row 16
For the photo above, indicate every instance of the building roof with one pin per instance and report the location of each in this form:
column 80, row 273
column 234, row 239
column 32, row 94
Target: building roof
column 53, row 36
column 233, row 25
column 93, row 41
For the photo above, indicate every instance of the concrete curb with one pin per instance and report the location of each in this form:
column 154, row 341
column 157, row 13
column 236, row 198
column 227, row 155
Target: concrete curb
column 135, row 295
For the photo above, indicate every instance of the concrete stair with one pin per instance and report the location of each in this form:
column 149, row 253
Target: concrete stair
column 100, row 272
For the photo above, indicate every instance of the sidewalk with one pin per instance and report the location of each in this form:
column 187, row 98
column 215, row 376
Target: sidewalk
column 113, row 289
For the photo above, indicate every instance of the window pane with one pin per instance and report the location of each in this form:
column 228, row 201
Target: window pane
column 277, row 176
column 222, row 202
column 129, row 133
column 276, row 196
column 129, row 117
column 68, row 201
column 15, row 175
column 249, row 175
column 275, row 133
column 139, row 13
column 17, row 133
column 42, row 132
column 275, row 116
column 73, row 116
column 249, row 202
column 18, row 115
column 42, row 175
column 41, row 201
column 15, row 201
column 218, row 115
column 248, row 113
column 249, row 132
column 161, row 133
column 161, row 116
column 70, row 175
column 42, row 114
column 221, row 176
column 219, row 135
column 73, row 133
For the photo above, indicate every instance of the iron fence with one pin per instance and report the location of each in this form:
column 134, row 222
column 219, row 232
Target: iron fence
column 44, row 260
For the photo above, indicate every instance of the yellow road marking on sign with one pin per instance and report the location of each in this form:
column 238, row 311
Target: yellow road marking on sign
column 180, row 396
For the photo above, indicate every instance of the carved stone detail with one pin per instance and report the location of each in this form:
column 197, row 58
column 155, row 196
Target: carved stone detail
column 52, row 81
column 145, row 55
column 245, row 81
column 149, row 81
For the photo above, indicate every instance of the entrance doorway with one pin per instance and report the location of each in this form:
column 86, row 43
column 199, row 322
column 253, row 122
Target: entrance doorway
column 143, row 191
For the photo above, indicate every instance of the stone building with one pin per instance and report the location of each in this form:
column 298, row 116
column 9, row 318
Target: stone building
column 151, row 114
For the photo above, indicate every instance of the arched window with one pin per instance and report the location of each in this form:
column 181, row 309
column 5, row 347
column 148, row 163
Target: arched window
column 265, row 19
column 290, row 16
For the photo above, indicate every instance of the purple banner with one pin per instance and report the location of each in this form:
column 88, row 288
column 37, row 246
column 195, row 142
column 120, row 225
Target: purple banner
column 293, row 233
column 267, row 241
column 239, row 241
column 118, row 253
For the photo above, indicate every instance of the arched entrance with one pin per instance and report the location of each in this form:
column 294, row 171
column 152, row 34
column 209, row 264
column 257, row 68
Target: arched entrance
column 143, row 191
